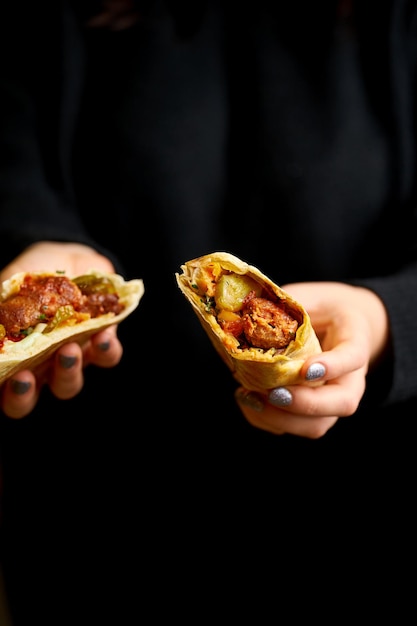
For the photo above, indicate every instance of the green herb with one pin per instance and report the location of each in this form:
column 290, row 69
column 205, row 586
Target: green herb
column 208, row 303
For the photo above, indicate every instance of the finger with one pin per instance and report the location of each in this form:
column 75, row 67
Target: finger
column 301, row 409
column 280, row 422
column 66, row 376
column 104, row 349
column 339, row 397
column 347, row 356
column 19, row 395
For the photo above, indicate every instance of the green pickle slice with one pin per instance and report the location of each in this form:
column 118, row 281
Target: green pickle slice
column 94, row 284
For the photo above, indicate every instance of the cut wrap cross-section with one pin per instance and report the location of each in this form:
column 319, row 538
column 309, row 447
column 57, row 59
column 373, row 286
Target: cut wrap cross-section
column 40, row 311
column 262, row 333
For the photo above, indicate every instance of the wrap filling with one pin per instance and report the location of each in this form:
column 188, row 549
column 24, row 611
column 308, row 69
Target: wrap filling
column 45, row 302
column 249, row 313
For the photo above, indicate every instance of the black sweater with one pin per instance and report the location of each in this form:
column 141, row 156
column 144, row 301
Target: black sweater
column 283, row 135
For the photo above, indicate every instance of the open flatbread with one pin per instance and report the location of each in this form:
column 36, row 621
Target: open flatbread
column 262, row 333
column 40, row 311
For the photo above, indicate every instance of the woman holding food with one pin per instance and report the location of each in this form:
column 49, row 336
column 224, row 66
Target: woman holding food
column 142, row 136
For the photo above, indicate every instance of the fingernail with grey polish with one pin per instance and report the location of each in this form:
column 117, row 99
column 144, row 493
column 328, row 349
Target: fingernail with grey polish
column 249, row 399
column 280, row 397
column 20, row 387
column 315, row 371
column 104, row 346
column 67, row 361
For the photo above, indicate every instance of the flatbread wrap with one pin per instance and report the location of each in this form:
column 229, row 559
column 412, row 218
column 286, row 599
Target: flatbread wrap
column 262, row 333
column 40, row 311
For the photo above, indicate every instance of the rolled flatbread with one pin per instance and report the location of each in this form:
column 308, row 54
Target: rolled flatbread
column 40, row 311
column 262, row 333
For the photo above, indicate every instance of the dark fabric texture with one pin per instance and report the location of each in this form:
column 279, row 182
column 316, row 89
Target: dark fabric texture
column 285, row 135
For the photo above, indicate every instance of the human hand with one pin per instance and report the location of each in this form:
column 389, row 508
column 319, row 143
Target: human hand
column 63, row 371
column 352, row 326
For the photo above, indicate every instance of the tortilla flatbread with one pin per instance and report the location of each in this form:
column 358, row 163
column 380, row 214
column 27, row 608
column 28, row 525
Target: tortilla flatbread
column 40, row 341
column 219, row 286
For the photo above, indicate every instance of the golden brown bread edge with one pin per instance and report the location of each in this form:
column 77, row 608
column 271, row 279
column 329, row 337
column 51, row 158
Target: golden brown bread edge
column 37, row 347
column 254, row 368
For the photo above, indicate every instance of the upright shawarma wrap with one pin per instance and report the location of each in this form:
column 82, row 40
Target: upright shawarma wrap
column 262, row 333
column 40, row 311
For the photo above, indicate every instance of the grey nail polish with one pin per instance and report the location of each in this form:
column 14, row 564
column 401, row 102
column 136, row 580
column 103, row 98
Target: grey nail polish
column 104, row 346
column 280, row 397
column 250, row 399
column 315, row 371
column 20, row 387
column 67, row 361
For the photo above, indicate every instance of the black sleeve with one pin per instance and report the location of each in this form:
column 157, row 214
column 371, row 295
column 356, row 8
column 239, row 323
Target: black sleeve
column 40, row 89
column 396, row 381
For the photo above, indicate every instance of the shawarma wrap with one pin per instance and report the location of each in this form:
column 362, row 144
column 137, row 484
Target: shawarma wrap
column 40, row 311
column 262, row 333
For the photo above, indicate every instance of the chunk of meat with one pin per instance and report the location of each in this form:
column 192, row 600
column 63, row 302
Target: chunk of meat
column 267, row 325
column 38, row 300
column 40, row 297
column 97, row 304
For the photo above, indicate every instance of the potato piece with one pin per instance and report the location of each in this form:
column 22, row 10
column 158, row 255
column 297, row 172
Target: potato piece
column 232, row 289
